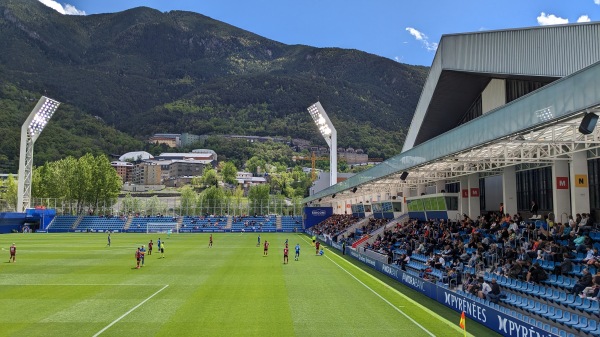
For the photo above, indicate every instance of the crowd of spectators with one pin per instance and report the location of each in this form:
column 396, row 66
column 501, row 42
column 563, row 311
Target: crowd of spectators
column 334, row 225
column 499, row 243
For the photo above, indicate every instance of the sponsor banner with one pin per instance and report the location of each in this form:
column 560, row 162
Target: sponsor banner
column 495, row 320
column 314, row 215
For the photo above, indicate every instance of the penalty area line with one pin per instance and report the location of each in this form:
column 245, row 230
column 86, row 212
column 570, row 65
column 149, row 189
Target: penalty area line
column 128, row 312
column 382, row 298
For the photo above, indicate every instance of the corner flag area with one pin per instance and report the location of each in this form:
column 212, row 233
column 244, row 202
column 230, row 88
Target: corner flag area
column 74, row 285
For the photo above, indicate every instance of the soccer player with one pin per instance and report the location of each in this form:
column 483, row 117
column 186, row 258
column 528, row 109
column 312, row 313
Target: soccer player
column 317, row 245
column 13, row 253
column 137, row 258
column 150, row 244
column 158, row 244
column 258, row 243
column 142, row 254
column 286, row 242
column 285, row 254
column 297, row 256
column 108, row 244
column 162, row 250
column 266, row 251
column 210, row 241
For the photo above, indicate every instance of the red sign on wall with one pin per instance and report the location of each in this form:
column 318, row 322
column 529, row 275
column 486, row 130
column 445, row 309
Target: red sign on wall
column 562, row 183
column 465, row 193
column 475, row 192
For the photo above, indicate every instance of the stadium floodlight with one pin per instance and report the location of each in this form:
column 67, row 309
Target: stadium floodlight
column 30, row 131
column 328, row 132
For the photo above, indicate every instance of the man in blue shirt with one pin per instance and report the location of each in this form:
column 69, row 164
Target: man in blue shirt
column 297, row 256
column 142, row 254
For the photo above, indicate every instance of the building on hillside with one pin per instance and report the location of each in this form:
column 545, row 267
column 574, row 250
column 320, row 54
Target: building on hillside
column 169, row 139
column 246, row 179
column 124, row 170
column 206, row 151
column 504, row 117
column 188, row 139
column 187, row 168
column 352, row 156
column 208, row 155
column 147, row 173
column 253, row 139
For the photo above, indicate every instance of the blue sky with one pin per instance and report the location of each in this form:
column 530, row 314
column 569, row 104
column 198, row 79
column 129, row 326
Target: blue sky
column 405, row 31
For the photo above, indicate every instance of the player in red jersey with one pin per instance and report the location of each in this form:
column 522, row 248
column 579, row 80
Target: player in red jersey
column 285, row 254
column 266, row 251
column 210, row 241
column 150, row 244
column 138, row 257
column 13, row 253
column 317, row 245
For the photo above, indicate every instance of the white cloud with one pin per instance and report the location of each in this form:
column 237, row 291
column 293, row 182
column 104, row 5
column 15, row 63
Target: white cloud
column 597, row 2
column 419, row 36
column 585, row 18
column 551, row 19
column 66, row 9
column 398, row 58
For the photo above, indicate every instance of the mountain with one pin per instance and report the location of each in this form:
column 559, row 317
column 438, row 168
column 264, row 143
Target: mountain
column 142, row 71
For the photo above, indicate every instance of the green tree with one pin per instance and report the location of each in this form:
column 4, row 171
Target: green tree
column 228, row 172
column 188, row 200
column 154, row 206
column 212, row 201
column 11, row 194
column 255, row 165
column 130, row 204
column 209, row 177
column 258, row 196
column 105, row 185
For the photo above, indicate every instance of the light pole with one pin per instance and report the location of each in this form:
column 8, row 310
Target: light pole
column 329, row 133
column 30, row 131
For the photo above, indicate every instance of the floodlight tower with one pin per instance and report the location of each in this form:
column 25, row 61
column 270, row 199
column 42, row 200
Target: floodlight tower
column 328, row 132
column 30, row 131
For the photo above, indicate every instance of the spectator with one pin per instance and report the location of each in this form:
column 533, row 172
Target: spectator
column 583, row 282
column 536, row 274
column 494, row 294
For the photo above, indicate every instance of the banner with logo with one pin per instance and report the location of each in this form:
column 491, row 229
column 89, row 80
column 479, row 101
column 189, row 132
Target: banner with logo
column 314, row 215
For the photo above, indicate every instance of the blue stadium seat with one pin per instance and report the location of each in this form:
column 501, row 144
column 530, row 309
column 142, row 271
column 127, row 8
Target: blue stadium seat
column 592, row 325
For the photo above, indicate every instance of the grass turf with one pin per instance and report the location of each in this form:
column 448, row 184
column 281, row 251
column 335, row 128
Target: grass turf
column 74, row 285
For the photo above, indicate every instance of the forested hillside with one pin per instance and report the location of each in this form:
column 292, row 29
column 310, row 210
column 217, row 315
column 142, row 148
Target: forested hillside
column 124, row 76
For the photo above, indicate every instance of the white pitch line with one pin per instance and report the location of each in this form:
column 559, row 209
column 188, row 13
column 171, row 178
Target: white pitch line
column 127, row 313
column 452, row 326
column 383, row 298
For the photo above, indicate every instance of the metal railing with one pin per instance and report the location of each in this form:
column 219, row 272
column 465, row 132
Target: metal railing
column 171, row 206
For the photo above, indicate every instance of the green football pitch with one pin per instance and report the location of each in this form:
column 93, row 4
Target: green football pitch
column 75, row 285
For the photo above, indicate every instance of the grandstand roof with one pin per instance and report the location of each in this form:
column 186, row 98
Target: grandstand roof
column 535, row 129
column 465, row 63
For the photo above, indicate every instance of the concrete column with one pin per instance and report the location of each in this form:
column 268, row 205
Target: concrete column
column 421, row 188
column 474, row 204
column 405, row 194
column 561, row 193
column 440, row 185
column 509, row 190
column 580, row 190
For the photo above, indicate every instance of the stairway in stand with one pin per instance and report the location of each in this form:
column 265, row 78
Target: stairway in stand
column 360, row 241
column 76, row 223
column 127, row 223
